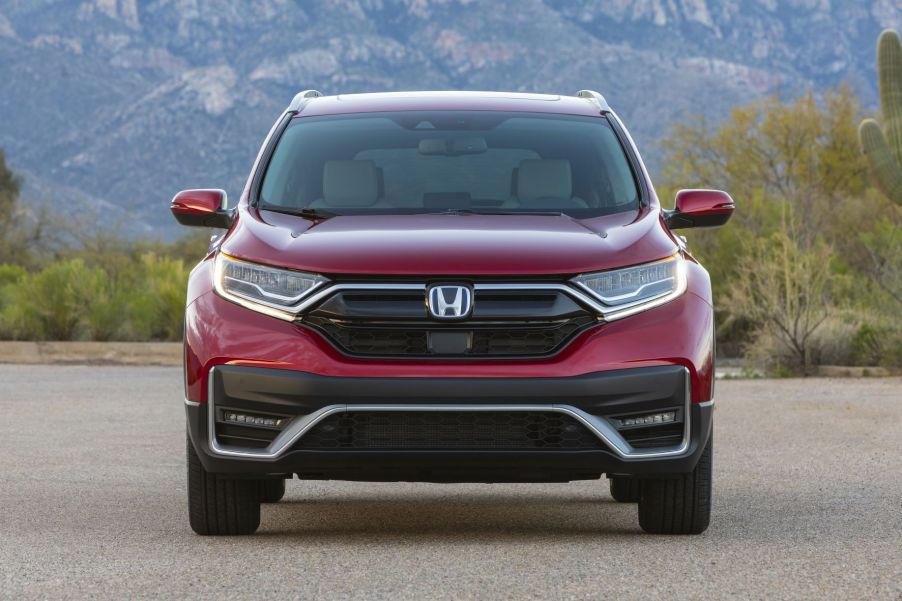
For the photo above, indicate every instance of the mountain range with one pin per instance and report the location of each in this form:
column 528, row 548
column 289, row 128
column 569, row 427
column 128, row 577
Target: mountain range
column 108, row 107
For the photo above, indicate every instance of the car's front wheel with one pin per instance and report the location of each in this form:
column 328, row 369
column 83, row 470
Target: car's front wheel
column 680, row 505
column 624, row 489
column 272, row 490
column 221, row 505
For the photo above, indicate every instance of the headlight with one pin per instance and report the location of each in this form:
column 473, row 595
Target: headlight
column 627, row 291
column 270, row 290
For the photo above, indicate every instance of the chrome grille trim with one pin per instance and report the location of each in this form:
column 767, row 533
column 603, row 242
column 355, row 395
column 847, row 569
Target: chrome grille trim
column 605, row 312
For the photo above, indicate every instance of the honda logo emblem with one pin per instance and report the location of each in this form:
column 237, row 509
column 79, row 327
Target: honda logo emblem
column 449, row 302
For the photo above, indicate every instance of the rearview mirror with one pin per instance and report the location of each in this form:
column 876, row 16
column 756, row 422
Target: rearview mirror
column 201, row 208
column 699, row 208
column 452, row 146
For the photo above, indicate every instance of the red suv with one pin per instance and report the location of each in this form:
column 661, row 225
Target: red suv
column 449, row 287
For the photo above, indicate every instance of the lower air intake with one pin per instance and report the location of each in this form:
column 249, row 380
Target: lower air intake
column 428, row 430
column 653, row 437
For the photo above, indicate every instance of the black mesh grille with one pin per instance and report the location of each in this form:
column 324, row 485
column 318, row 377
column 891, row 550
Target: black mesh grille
column 508, row 339
column 535, row 340
column 427, row 430
column 358, row 339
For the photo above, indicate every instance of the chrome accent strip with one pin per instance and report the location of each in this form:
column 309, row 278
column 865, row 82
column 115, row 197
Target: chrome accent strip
column 607, row 313
column 597, row 98
column 609, row 301
column 321, row 289
column 611, row 313
column 329, row 290
column 707, row 404
column 286, row 312
column 570, row 290
column 599, row 426
column 632, row 294
column 192, row 403
column 575, row 289
column 301, row 99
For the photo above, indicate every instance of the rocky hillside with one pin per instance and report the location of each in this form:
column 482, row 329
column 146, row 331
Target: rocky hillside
column 120, row 103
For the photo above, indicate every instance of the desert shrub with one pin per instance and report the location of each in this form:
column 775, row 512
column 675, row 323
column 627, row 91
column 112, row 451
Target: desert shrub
column 878, row 342
column 786, row 291
column 105, row 312
column 11, row 274
column 48, row 305
column 157, row 302
column 833, row 343
column 845, row 337
column 883, row 245
column 865, row 345
column 143, row 300
column 763, row 351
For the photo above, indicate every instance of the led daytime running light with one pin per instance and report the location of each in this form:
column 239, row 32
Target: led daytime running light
column 269, row 290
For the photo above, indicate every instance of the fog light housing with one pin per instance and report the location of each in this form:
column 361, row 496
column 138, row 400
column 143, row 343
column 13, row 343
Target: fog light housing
column 256, row 421
column 648, row 419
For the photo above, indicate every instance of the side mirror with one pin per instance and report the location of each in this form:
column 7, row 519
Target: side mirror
column 699, row 208
column 202, row 208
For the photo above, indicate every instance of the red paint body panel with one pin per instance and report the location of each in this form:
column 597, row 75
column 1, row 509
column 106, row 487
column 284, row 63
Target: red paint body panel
column 703, row 202
column 678, row 333
column 436, row 245
column 197, row 202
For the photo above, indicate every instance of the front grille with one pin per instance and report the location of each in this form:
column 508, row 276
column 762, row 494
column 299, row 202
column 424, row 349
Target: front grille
column 499, row 339
column 526, row 340
column 472, row 430
column 361, row 339
column 511, row 323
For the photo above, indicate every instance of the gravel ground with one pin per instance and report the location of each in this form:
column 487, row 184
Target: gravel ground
column 808, row 505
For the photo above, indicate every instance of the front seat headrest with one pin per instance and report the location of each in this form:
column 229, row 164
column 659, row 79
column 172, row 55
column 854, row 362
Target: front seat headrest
column 544, row 179
column 350, row 183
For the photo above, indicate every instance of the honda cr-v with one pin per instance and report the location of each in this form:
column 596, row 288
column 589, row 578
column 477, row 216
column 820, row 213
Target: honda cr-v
column 449, row 287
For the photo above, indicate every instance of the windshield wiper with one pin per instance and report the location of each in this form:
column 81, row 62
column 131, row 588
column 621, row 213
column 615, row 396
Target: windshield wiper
column 320, row 214
column 304, row 212
column 498, row 212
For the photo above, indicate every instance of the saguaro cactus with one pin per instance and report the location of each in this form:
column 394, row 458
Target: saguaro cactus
column 883, row 147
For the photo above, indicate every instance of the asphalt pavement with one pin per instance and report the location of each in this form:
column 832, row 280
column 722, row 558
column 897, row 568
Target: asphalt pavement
column 808, row 505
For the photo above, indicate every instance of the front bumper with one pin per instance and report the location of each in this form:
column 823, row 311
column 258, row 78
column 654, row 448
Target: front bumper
column 591, row 399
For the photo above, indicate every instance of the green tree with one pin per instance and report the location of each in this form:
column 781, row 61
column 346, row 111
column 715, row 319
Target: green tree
column 782, row 149
column 802, row 190
column 10, row 186
column 785, row 291
column 20, row 235
column 767, row 154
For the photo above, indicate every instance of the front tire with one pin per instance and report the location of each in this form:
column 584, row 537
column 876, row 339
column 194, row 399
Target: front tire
column 679, row 505
column 272, row 491
column 624, row 489
column 218, row 505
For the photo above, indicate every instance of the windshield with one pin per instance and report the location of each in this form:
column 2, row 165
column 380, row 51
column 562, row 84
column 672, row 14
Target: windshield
column 427, row 162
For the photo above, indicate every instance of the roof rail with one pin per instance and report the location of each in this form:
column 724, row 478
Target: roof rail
column 301, row 99
column 595, row 97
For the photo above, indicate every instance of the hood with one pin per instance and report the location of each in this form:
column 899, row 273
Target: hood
column 449, row 244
